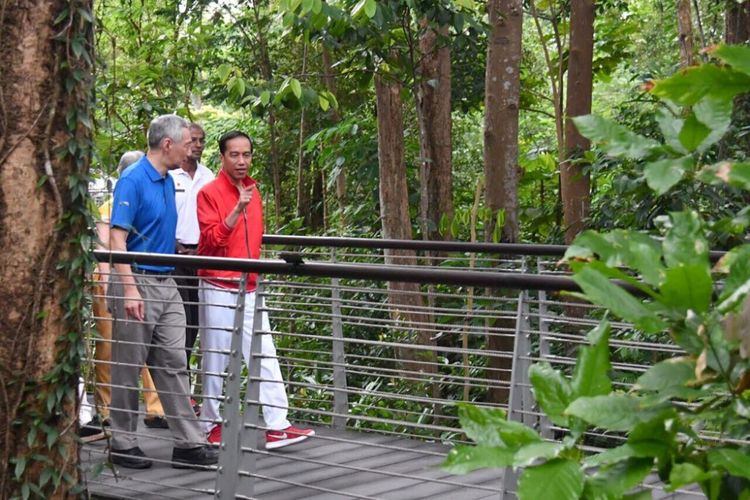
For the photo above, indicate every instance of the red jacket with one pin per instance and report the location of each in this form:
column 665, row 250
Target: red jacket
column 215, row 201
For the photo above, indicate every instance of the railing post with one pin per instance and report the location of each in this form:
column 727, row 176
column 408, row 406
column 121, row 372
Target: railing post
column 545, row 426
column 518, row 379
column 249, row 432
column 229, row 457
column 340, row 396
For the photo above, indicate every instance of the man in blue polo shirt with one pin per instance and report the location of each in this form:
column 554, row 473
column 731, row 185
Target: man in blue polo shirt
column 149, row 319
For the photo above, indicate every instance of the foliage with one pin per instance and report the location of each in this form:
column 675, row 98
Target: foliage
column 670, row 287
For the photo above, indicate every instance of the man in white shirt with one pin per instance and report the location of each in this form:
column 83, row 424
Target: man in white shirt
column 188, row 180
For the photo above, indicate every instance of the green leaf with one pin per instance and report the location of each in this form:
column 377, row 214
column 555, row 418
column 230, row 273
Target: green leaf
column 559, row 479
column 591, row 373
column 223, row 72
column 685, row 474
column 601, row 291
column 733, row 461
column 296, row 87
column 464, row 459
column 324, row 105
column 661, row 175
column 693, row 133
column 358, row 9
column 693, row 84
column 670, row 127
column 370, row 8
column 738, row 56
column 688, row 287
column 616, row 412
column 685, row 242
column 489, row 427
column 716, row 115
column 614, row 481
column 551, row 390
column 265, row 97
column 527, row 455
column 613, row 138
column 667, row 374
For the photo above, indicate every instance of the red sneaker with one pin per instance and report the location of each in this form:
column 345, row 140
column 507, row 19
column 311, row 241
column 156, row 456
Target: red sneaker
column 285, row 437
column 196, row 407
column 214, row 436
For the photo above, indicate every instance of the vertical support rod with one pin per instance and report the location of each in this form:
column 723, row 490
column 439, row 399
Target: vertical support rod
column 515, row 400
column 545, row 426
column 250, row 434
column 340, row 396
column 229, row 454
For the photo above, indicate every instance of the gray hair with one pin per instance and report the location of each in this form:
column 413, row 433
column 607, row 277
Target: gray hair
column 163, row 127
column 128, row 159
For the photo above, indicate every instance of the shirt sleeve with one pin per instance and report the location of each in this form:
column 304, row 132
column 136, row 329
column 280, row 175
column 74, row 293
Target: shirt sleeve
column 214, row 232
column 125, row 204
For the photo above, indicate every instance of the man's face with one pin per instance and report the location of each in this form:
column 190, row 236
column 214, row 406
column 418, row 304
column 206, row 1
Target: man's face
column 237, row 158
column 199, row 142
column 177, row 152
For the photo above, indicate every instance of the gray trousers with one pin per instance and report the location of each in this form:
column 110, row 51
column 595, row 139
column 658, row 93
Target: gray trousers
column 159, row 342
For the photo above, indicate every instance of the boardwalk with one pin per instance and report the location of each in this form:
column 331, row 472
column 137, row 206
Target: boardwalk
column 357, row 465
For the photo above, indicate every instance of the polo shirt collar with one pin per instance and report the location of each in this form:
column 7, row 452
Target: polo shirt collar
column 151, row 171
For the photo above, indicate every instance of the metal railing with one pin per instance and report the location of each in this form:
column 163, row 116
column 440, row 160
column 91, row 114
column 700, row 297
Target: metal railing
column 378, row 370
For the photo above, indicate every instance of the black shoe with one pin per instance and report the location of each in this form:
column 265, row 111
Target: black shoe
column 93, row 431
column 188, row 458
column 97, row 421
column 156, row 422
column 133, row 458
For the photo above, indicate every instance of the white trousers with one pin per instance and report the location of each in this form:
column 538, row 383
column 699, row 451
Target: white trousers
column 86, row 410
column 217, row 322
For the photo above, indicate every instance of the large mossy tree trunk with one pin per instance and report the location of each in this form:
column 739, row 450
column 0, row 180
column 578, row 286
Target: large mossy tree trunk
column 574, row 182
column 407, row 303
column 45, row 137
column 501, row 103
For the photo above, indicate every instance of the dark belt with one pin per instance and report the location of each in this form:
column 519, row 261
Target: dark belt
column 149, row 272
column 192, row 247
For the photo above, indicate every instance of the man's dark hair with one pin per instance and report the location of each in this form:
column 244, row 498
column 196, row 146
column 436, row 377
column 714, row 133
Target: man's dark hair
column 233, row 134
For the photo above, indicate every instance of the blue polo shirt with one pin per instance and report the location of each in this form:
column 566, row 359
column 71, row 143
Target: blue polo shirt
column 144, row 206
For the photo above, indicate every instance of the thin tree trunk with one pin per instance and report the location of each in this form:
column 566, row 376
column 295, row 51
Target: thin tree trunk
column 330, row 83
column 502, row 89
column 303, row 196
column 41, row 155
column 434, row 116
column 685, row 33
column 406, row 302
column 574, row 182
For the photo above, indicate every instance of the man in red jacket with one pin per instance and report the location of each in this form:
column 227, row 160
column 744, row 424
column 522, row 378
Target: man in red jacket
column 230, row 216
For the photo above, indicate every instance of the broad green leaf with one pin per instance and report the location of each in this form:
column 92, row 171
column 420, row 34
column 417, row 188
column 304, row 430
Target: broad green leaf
column 738, row 56
column 265, row 97
column 559, row 479
column 661, row 175
column 716, row 115
column 552, row 391
column 370, row 8
column 736, row 174
column 733, row 461
column 223, row 72
column 324, row 105
column 614, row 481
column 693, row 133
column 668, row 373
column 527, row 455
column 296, row 87
column 638, row 449
column 591, row 374
column 601, row 291
column 613, row 138
column 688, row 287
column 670, row 127
column 685, row 474
column 307, row 6
column 616, row 412
column 685, row 242
column 359, row 9
column 736, row 265
column 693, row 84
column 464, row 459
column 490, row 427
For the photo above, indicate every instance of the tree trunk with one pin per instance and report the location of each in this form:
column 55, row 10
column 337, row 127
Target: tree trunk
column 303, row 195
column 685, row 33
column 737, row 22
column 501, row 101
column 404, row 298
column 574, row 182
column 330, row 83
column 44, row 160
column 434, row 115
column 502, row 90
